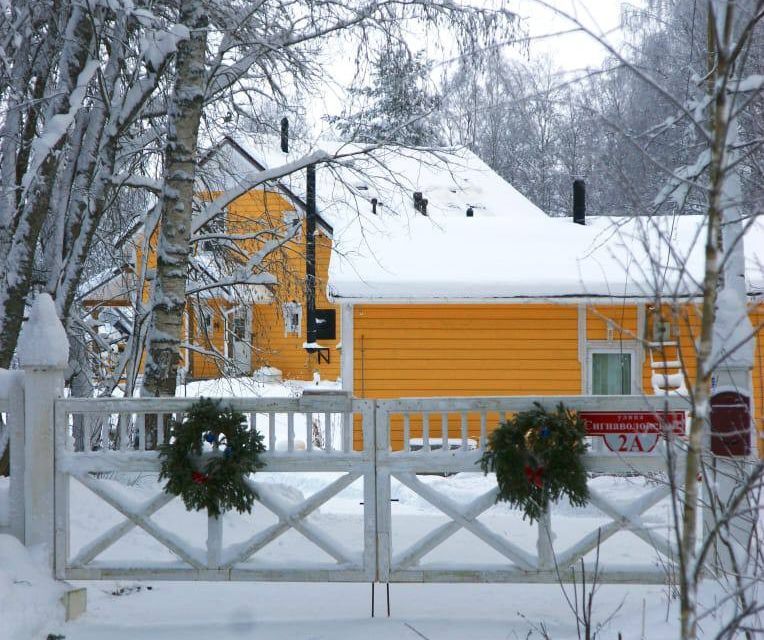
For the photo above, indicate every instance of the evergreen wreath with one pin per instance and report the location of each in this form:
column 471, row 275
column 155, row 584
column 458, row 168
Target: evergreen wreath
column 212, row 479
column 537, row 457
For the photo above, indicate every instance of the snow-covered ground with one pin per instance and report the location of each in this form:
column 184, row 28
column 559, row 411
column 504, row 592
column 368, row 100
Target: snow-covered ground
column 248, row 387
column 228, row 611
column 129, row 610
column 29, row 597
column 119, row 611
column 196, row 610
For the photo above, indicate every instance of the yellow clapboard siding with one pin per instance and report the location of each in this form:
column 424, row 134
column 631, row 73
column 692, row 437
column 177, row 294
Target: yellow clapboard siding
column 521, row 310
column 470, row 376
column 432, row 364
column 513, row 333
column 622, row 320
column 431, row 388
column 395, row 355
column 262, row 209
column 461, row 324
column 453, row 346
column 464, row 350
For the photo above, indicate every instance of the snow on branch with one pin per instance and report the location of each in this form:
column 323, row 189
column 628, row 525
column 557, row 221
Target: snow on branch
column 240, row 279
column 137, row 182
column 56, row 128
column 158, row 46
column 252, row 180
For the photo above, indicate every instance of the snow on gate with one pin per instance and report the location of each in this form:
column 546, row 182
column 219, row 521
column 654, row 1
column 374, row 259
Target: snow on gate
column 294, row 420
column 239, row 552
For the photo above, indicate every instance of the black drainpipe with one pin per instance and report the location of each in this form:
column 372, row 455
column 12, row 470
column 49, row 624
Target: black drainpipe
column 310, row 254
column 579, row 202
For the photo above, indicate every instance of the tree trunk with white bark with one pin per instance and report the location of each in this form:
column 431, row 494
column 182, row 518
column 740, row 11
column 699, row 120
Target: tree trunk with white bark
column 168, row 298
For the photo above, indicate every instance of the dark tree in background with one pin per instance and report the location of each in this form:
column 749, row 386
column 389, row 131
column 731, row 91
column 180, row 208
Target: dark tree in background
column 398, row 105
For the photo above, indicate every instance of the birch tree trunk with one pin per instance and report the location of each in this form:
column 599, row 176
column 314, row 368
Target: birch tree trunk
column 168, row 298
column 37, row 185
column 719, row 65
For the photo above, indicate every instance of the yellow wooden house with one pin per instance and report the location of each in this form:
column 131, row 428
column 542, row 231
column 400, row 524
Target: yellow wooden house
column 497, row 300
column 241, row 330
column 436, row 278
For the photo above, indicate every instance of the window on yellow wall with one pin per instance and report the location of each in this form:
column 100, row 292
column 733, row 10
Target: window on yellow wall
column 611, row 373
column 204, row 320
column 292, row 312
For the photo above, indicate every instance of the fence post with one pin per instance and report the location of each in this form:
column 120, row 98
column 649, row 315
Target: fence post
column 383, row 505
column 730, row 465
column 43, row 352
column 545, row 541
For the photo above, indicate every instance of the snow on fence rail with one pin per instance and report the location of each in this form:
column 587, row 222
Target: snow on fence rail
column 401, row 438
column 319, row 420
column 464, row 424
column 123, row 431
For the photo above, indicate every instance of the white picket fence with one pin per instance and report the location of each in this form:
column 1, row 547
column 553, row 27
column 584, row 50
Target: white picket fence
column 449, row 417
column 369, row 459
column 127, row 418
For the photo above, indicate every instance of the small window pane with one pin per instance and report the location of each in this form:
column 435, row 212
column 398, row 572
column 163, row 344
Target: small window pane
column 611, row 374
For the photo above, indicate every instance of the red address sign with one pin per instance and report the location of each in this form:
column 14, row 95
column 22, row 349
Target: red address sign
column 602, row 423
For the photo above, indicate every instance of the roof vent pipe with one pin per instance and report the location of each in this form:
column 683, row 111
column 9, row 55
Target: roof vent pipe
column 579, row 202
column 420, row 203
column 470, row 212
column 374, row 206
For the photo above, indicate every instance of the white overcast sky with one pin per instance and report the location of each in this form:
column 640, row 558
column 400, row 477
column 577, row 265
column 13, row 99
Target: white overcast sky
column 570, row 52
column 575, row 50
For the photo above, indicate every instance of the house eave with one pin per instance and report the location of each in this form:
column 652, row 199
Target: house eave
column 524, row 299
column 325, row 227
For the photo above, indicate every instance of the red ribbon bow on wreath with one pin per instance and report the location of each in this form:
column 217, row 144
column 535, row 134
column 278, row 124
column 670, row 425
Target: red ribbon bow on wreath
column 199, row 478
column 534, row 476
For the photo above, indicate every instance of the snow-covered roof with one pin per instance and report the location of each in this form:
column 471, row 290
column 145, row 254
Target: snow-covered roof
column 451, row 180
column 500, row 258
column 507, row 250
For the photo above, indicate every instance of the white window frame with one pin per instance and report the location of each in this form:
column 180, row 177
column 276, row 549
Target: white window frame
column 204, row 312
column 606, row 346
column 289, row 309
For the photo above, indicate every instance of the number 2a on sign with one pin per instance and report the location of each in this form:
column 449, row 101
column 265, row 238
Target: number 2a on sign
column 631, row 442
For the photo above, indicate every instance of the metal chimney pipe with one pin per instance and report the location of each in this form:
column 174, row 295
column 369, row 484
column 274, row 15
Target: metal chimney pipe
column 579, row 202
column 310, row 253
column 285, row 135
column 418, row 201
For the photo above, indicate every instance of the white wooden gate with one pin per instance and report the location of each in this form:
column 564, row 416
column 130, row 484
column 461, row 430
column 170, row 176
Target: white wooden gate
column 123, row 438
column 448, row 420
column 370, row 459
